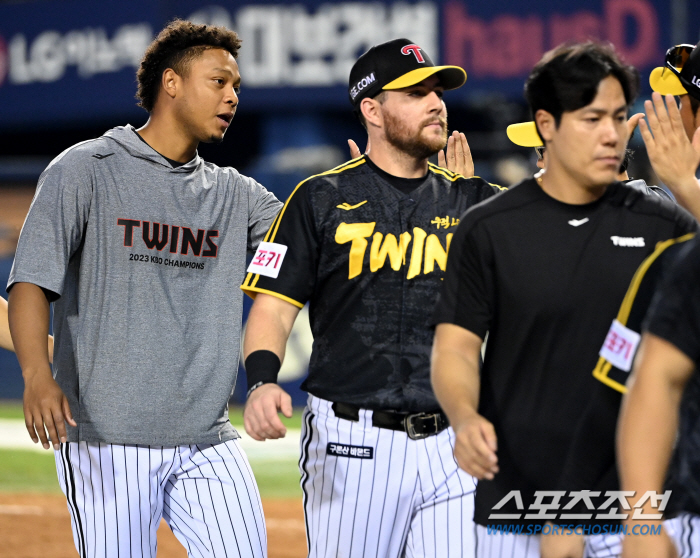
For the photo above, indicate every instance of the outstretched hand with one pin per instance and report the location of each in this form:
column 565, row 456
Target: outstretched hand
column 674, row 157
column 457, row 157
column 633, row 122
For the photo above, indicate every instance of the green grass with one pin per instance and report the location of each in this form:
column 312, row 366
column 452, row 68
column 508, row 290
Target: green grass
column 13, row 410
column 30, row 471
column 27, row 471
column 277, row 479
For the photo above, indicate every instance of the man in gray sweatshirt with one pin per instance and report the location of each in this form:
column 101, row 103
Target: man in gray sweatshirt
column 141, row 247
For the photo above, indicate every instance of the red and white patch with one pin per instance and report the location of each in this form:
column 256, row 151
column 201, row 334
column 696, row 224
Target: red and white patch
column 620, row 346
column 268, row 259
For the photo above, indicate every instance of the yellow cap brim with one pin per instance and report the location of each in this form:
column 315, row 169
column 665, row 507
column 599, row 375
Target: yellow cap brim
column 524, row 134
column 451, row 77
column 666, row 82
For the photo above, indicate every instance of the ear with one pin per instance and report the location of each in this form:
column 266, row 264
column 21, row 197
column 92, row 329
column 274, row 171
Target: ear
column 545, row 124
column 170, row 82
column 372, row 112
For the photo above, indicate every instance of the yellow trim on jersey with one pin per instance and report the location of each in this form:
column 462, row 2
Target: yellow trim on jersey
column 603, row 367
column 433, row 165
column 251, row 290
column 276, row 223
column 452, row 176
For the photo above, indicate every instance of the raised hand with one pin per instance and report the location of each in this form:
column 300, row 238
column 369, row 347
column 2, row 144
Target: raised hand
column 673, row 156
column 458, row 156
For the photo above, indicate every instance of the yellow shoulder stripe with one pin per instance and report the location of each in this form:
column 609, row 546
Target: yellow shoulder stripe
column 600, row 372
column 444, row 172
column 434, row 166
column 270, row 236
column 252, row 291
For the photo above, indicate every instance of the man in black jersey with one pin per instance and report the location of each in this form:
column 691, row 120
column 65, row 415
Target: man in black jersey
column 366, row 245
column 543, row 269
column 662, row 401
column 674, row 146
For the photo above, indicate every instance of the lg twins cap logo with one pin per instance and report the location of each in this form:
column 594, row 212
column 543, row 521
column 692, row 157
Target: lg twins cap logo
column 362, row 84
column 415, row 50
column 268, row 259
column 696, row 81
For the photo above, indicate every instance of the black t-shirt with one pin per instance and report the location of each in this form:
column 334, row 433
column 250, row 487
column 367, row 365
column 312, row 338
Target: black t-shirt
column 591, row 463
column 544, row 279
column 370, row 260
column 675, row 316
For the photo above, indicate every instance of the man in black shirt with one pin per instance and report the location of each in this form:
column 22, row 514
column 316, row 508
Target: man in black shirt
column 662, row 400
column 366, row 245
column 543, row 269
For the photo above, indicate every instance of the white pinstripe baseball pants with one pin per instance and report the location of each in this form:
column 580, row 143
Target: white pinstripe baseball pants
column 510, row 545
column 117, row 495
column 410, row 499
column 684, row 530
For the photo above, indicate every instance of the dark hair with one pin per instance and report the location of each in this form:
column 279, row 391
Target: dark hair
column 629, row 155
column 567, row 78
column 175, row 47
column 694, row 104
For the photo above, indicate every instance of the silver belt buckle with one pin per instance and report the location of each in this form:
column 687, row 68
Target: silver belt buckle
column 410, row 428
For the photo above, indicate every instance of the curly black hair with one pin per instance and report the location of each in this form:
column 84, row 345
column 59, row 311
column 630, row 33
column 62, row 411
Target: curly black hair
column 175, row 47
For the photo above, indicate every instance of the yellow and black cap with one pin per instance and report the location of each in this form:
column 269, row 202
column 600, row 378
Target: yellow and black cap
column 680, row 74
column 394, row 65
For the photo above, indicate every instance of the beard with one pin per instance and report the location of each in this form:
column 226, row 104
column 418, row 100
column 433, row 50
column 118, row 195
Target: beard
column 412, row 142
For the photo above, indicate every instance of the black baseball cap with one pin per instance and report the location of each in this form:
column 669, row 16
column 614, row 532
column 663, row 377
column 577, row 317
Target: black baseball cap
column 680, row 74
column 394, row 65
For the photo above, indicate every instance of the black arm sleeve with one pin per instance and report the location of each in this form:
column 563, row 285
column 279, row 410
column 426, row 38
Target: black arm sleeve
column 675, row 309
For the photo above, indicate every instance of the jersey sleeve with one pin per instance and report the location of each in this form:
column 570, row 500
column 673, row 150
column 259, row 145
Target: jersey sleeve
column 467, row 296
column 53, row 229
column 675, row 309
column 617, row 353
column 286, row 261
column 264, row 207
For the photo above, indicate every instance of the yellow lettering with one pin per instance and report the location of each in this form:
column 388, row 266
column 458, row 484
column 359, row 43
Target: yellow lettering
column 395, row 250
column 357, row 233
column 417, row 252
column 435, row 253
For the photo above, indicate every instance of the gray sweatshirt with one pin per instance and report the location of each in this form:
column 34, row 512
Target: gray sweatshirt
column 146, row 260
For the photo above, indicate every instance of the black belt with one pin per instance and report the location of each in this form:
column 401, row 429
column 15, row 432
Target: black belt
column 416, row 425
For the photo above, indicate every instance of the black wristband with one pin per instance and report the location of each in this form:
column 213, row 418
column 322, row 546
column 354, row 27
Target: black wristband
column 262, row 367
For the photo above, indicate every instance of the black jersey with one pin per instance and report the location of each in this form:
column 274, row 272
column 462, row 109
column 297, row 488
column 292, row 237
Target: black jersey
column 591, row 463
column 370, row 260
column 544, row 279
column 675, row 316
